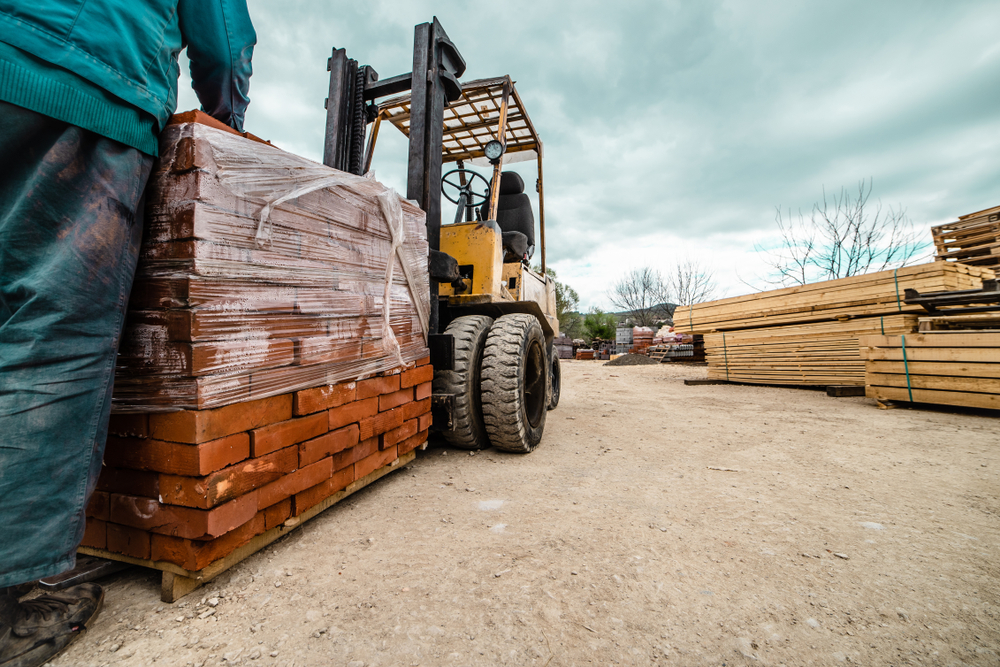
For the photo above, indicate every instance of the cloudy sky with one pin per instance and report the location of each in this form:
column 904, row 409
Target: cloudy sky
column 672, row 130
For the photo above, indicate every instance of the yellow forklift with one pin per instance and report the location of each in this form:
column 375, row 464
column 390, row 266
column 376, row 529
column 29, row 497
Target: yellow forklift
column 493, row 319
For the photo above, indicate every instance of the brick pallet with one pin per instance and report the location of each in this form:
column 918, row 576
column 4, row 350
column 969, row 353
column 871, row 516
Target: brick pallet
column 235, row 301
column 946, row 368
column 183, row 491
column 273, row 359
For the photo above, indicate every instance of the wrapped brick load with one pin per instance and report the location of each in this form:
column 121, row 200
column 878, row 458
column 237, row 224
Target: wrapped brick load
column 262, row 273
column 274, row 357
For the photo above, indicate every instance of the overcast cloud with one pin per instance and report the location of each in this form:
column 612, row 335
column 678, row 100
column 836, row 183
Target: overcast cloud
column 674, row 129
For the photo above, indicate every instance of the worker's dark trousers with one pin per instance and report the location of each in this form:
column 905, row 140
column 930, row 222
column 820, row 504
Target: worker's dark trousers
column 69, row 240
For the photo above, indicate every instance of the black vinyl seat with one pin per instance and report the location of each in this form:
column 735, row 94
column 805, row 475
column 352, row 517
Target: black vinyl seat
column 514, row 217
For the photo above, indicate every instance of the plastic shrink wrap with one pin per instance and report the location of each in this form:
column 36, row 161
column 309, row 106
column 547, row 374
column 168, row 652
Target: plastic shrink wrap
column 263, row 273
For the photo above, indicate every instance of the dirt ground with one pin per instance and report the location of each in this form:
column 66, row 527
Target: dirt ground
column 656, row 524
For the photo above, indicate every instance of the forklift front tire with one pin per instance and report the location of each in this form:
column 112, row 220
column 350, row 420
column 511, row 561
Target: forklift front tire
column 467, row 428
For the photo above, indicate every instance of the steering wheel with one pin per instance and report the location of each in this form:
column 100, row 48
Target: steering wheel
column 472, row 199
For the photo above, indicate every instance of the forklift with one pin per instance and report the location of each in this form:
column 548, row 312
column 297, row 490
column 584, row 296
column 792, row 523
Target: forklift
column 492, row 318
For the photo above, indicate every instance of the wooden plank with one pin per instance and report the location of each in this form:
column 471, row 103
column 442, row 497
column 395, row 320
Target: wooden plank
column 957, row 369
column 844, row 391
column 957, row 398
column 965, row 355
column 941, row 382
column 964, row 340
column 178, row 582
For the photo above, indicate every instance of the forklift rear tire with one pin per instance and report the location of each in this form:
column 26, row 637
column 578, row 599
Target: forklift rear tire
column 468, row 430
column 515, row 383
column 555, row 380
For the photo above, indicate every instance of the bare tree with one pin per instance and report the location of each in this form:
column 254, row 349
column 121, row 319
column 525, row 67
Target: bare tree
column 689, row 282
column 642, row 294
column 843, row 236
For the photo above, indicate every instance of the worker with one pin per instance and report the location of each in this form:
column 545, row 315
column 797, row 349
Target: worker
column 85, row 88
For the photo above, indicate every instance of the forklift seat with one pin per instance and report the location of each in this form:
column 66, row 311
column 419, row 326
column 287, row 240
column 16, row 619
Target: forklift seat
column 514, row 214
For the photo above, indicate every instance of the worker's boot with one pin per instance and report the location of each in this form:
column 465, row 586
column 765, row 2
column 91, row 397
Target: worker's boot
column 34, row 631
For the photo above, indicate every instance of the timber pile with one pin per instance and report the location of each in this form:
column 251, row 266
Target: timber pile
column 867, row 295
column 817, row 354
column 972, row 239
column 235, row 300
column 270, row 332
column 947, row 368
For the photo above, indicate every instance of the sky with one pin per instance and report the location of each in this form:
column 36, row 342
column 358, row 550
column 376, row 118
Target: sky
column 673, row 130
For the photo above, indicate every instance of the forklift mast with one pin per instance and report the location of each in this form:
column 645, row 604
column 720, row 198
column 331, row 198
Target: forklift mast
column 350, row 107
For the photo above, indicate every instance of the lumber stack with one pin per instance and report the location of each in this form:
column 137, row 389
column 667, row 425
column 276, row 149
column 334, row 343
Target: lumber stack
column 809, row 335
column 872, row 294
column 817, row 353
column 973, row 239
column 262, row 273
column 947, row 368
column 190, row 487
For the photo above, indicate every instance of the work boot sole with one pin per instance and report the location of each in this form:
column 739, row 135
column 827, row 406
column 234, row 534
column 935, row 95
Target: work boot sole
column 41, row 653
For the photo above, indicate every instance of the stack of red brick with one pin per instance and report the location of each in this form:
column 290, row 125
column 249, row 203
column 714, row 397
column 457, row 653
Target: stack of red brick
column 190, row 487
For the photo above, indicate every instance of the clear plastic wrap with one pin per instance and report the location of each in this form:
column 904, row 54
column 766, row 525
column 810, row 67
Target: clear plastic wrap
column 262, row 273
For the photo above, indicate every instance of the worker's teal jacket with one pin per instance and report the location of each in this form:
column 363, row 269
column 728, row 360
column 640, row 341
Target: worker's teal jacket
column 110, row 66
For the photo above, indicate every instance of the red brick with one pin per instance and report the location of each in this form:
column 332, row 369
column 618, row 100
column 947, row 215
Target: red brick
column 316, row 399
column 422, row 391
column 276, row 514
column 416, row 408
column 352, row 412
column 346, row 458
column 99, row 506
column 317, row 494
column 416, row 376
column 177, row 458
column 186, row 522
column 197, row 555
column 422, row 361
column 276, row 436
column 293, row 483
column 411, row 443
column 129, row 541
column 198, row 426
column 95, row 534
column 370, row 464
column 129, row 482
column 425, row 421
column 377, row 386
column 228, row 483
column 380, row 423
column 135, row 426
column 395, row 399
column 325, row 445
column 397, row 435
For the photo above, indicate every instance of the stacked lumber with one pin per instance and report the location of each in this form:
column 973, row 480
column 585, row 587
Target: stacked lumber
column 972, row 239
column 866, row 295
column 262, row 273
column 946, row 368
column 817, row 353
column 189, row 488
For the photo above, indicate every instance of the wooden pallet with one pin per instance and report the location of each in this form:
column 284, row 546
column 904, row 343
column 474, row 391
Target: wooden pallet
column 178, row 582
column 867, row 295
column 973, row 239
column 947, row 368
